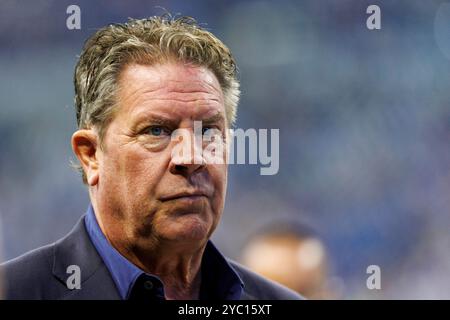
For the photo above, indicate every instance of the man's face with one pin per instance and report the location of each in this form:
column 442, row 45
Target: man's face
column 149, row 194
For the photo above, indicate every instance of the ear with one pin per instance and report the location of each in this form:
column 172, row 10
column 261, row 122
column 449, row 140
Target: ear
column 84, row 145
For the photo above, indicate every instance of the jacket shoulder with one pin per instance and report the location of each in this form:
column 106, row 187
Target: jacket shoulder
column 259, row 288
column 28, row 276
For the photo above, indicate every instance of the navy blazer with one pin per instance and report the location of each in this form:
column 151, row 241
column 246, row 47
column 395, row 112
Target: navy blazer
column 42, row 274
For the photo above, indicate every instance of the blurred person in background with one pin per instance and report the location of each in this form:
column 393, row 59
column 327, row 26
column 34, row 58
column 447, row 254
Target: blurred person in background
column 145, row 235
column 292, row 254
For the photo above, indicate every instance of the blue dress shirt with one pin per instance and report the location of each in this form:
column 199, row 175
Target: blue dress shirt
column 219, row 280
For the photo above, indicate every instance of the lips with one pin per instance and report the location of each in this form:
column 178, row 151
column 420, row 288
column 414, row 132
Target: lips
column 186, row 195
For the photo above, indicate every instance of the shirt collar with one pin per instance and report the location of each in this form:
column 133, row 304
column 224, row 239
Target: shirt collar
column 123, row 272
column 219, row 280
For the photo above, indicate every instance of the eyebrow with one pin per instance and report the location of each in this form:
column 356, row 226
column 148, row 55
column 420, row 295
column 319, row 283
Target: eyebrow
column 146, row 118
column 218, row 117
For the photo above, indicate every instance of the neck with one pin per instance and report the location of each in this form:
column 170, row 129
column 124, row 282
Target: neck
column 179, row 270
column 176, row 263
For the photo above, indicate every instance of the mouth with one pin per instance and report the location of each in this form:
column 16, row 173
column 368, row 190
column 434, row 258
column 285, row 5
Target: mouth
column 185, row 197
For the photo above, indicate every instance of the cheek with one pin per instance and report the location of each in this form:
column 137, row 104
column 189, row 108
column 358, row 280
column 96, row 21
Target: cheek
column 219, row 176
column 134, row 170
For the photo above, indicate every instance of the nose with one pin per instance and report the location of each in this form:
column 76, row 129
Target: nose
column 186, row 154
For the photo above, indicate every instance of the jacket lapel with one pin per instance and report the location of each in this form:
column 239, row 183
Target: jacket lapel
column 77, row 249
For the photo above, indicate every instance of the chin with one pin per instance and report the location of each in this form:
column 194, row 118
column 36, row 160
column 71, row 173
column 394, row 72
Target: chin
column 187, row 228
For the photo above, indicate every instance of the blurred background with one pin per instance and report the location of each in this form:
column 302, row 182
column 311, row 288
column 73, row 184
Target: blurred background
column 364, row 119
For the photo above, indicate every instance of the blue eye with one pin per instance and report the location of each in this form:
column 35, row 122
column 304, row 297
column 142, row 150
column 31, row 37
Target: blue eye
column 155, row 131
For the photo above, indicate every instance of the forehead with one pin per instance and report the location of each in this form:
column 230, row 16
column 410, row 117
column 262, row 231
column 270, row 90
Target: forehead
column 172, row 89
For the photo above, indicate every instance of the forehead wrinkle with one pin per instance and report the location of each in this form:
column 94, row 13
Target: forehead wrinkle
column 173, row 85
column 206, row 86
column 157, row 86
column 188, row 99
column 159, row 103
column 185, row 94
column 143, row 99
